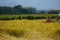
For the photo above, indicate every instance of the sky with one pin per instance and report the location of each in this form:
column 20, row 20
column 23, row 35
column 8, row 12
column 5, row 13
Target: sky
column 38, row 4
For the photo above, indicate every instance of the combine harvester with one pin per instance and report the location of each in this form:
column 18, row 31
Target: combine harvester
column 57, row 19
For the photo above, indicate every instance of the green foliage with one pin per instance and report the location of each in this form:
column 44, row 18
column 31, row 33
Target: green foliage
column 58, row 17
column 7, row 18
column 33, row 17
column 4, row 18
column 20, row 17
column 52, row 17
column 40, row 17
column 29, row 17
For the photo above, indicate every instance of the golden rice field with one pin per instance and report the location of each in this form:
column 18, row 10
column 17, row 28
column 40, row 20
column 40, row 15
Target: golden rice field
column 29, row 30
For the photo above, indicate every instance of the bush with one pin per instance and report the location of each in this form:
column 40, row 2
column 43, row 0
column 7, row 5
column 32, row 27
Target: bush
column 33, row 17
column 4, row 18
column 20, row 17
column 57, row 18
column 24, row 17
column 30, row 17
column 11, row 18
column 52, row 17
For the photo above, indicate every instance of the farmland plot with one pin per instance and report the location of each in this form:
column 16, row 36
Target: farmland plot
column 29, row 30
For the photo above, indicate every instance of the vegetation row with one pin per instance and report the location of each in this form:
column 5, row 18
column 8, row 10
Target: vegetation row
column 29, row 17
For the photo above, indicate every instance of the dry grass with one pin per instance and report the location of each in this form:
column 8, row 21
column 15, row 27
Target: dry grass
column 29, row 30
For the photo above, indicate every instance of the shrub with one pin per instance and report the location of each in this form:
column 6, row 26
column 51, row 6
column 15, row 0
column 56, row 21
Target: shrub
column 4, row 18
column 52, row 17
column 11, row 18
column 40, row 17
column 24, row 17
column 0, row 18
column 20, row 17
column 57, row 18
column 30, row 17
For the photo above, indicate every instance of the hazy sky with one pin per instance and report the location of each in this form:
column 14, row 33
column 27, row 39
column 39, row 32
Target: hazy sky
column 38, row 4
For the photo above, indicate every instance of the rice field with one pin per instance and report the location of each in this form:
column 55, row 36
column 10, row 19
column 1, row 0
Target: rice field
column 29, row 30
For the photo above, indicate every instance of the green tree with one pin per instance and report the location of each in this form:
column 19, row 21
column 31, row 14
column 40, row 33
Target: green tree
column 31, row 10
column 18, row 9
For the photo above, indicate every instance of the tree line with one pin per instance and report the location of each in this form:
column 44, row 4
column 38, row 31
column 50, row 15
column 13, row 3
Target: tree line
column 19, row 9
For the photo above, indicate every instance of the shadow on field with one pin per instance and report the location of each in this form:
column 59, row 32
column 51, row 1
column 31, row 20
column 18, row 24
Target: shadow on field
column 56, row 35
column 14, row 33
